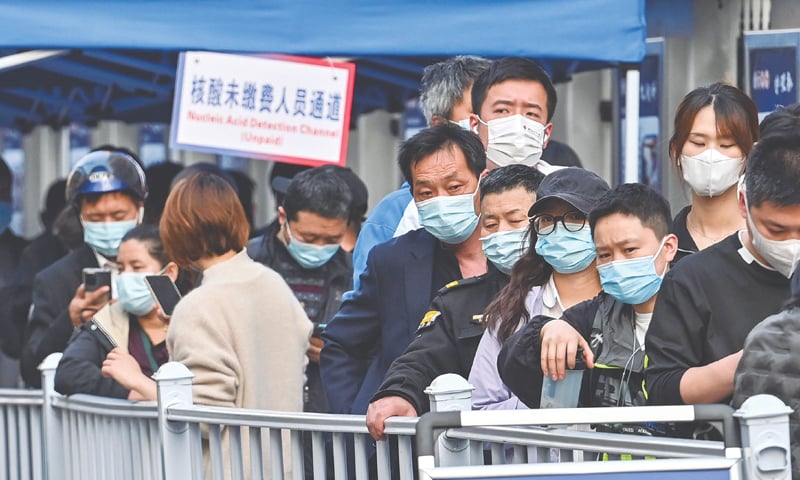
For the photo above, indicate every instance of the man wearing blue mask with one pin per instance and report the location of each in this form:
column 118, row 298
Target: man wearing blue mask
column 11, row 247
column 303, row 247
column 630, row 226
column 442, row 165
column 108, row 189
column 448, row 334
column 444, row 97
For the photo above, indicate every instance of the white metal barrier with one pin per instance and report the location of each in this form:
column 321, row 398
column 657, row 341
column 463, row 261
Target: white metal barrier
column 87, row 437
column 21, row 438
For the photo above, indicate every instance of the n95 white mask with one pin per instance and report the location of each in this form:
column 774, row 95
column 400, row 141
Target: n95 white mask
column 711, row 173
column 514, row 139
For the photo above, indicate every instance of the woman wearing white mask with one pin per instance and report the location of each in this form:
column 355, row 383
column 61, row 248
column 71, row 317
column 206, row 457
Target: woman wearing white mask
column 715, row 130
column 557, row 272
column 117, row 359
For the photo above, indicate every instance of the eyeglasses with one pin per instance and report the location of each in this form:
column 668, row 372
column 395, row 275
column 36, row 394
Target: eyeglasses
column 544, row 224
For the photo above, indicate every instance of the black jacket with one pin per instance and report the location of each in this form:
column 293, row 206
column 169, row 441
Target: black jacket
column 79, row 368
column 446, row 340
column 608, row 325
column 49, row 327
column 15, row 298
column 336, row 276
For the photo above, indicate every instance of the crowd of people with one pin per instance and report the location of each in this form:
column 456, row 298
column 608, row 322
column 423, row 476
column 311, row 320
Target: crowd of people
column 500, row 259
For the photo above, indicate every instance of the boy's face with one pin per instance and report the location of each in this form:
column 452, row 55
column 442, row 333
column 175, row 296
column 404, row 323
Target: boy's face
column 622, row 237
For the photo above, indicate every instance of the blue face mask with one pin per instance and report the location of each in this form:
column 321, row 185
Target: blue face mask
column 105, row 237
column 6, row 212
column 134, row 296
column 450, row 218
column 308, row 255
column 504, row 249
column 633, row 281
column 565, row 251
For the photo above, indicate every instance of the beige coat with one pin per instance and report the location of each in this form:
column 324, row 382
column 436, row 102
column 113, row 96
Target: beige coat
column 244, row 336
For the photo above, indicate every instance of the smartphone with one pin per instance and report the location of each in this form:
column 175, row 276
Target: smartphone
column 318, row 329
column 95, row 278
column 164, row 292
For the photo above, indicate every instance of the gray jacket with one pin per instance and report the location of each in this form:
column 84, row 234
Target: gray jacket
column 769, row 365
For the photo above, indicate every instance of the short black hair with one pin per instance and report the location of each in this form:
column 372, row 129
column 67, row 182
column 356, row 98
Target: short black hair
column 438, row 138
column 245, row 186
column 510, row 177
column 513, row 68
column 359, row 195
column 320, row 191
column 782, row 121
column 773, row 171
column 637, row 200
column 159, row 180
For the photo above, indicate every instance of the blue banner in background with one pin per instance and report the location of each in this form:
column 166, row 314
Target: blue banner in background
column 772, row 77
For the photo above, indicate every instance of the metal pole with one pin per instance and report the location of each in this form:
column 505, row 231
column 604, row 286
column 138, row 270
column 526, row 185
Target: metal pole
column 174, row 382
column 53, row 449
column 631, row 126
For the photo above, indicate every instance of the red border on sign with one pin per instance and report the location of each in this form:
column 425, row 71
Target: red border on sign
column 348, row 109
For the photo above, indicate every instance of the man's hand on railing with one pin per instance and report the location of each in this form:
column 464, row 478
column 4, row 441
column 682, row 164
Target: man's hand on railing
column 383, row 408
column 123, row 368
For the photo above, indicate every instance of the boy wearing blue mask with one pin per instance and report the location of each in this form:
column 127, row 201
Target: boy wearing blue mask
column 630, row 227
column 107, row 187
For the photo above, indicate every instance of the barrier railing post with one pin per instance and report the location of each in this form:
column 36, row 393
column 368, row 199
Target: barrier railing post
column 766, row 445
column 174, row 382
column 447, row 393
column 53, row 468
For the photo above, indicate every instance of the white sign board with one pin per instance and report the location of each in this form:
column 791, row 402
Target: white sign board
column 287, row 109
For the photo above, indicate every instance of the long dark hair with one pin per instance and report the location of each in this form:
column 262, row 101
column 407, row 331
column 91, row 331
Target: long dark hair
column 506, row 310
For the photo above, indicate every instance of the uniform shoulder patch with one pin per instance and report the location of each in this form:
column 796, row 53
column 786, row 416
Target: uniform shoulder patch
column 428, row 319
column 461, row 283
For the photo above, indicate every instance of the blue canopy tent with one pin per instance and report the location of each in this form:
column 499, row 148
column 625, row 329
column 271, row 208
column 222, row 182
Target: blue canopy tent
column 115, row 59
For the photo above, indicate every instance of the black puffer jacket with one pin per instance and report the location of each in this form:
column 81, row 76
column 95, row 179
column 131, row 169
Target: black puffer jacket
column 769, row 365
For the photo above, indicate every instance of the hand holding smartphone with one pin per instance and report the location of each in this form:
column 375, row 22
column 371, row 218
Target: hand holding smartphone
column 95, row 278
column 88, row 300
column 164, row 292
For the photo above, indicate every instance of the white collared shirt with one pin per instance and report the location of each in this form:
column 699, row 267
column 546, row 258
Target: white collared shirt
column 551, row 302
column 107, row 264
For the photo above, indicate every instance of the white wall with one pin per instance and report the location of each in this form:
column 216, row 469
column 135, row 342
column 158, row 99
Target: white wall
column 577, row 120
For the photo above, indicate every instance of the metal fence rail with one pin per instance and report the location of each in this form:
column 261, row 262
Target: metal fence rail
column 46, row 436
column 21, row 434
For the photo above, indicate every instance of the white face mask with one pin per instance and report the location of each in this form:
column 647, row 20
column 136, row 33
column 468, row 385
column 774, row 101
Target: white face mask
column 514, row 139
column 782, row 255
column 463, row 123
column 711, row 173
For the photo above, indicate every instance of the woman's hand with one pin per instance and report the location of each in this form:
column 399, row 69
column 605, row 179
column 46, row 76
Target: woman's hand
column 123, row 368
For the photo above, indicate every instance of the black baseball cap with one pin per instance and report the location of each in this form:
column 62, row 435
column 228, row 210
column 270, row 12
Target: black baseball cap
column 576, row 186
